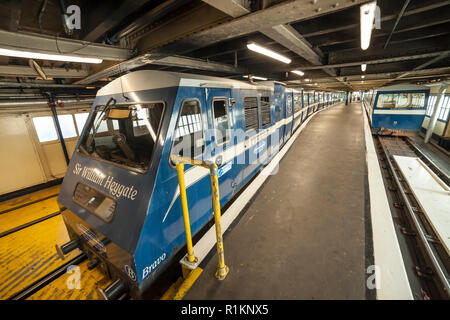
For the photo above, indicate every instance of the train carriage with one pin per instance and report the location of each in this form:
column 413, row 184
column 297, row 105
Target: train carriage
column 120, row 196
column 397, row 110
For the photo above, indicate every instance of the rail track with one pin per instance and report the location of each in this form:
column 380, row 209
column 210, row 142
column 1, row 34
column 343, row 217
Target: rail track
column 47, row 279
column 433, row 262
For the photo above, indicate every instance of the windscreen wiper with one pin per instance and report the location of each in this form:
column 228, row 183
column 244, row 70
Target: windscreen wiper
column 108, row 106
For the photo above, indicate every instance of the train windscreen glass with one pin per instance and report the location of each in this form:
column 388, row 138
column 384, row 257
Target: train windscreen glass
column 401, row 100
column 124, row 134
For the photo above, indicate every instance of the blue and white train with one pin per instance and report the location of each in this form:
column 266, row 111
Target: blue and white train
column 120, row 195
column 397, row 110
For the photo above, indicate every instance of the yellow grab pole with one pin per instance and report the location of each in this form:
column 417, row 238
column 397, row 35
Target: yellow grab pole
column 187, row 226
column 222, row 269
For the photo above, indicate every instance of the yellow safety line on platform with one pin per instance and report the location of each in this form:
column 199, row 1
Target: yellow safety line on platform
column 188, row 283
column 22, row 200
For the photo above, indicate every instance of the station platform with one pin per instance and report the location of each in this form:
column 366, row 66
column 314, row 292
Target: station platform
column 304, row 235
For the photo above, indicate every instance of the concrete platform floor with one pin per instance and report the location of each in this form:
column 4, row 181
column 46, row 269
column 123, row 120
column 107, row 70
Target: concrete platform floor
column 304, row 235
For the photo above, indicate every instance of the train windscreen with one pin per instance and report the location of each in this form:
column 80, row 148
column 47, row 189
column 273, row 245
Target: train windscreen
column 123, row 134
column 401, row 100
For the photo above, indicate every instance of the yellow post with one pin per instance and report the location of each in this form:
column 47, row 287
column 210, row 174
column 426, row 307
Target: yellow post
column 187, row 226
column 222, row 269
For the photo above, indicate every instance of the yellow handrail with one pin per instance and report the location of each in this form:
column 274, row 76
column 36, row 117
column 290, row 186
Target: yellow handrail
column 222, row 269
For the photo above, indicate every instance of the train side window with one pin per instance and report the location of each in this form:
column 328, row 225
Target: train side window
column 288, row 105
column 251, row 113
column 297, row 102
column 80, row 120
column 265, row 111
column 221, row 123
column 188, row 140
column 67, row 126
column 45, row 129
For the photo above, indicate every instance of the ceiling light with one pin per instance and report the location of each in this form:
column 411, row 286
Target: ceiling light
column 257, row 78
column 307, row 80
column 362, row 77
column 267, row 52
column 367, row 12
column 45, row 56
column 363, row 67
column 298, row 72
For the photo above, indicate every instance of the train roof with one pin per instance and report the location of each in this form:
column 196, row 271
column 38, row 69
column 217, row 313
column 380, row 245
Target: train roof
column 400, row 87
column 154, row 79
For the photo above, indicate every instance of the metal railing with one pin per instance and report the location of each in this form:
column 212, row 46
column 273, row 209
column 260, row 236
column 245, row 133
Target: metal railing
column 190, row 260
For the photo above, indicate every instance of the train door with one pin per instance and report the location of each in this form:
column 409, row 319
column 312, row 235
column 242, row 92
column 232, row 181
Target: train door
column 289, row 116
column 279, row 113
column 223, row 142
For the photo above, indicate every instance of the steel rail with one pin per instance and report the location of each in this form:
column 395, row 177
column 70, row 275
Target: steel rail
column 28, row 203
column 420, row 231
column 31, row 223
column 47, row 279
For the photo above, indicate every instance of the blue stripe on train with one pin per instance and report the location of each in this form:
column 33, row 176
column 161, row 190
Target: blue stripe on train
column 394, row 121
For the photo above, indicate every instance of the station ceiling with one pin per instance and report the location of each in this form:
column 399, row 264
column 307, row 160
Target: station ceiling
column 321, row 37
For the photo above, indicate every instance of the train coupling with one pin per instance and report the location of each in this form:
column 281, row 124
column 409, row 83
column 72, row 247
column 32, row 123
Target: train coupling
column 114, row 291
column 66, row 248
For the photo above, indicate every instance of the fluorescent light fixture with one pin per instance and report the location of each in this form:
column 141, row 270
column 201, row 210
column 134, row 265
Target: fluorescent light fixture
column 307, row 80
column 257, row 78
column 300, row 73
column 268, row 52
column 367, row 12
column 45, row 56
column 363, row 67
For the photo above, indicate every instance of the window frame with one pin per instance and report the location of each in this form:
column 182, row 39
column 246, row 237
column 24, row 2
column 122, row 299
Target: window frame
column 270, row 111
column 76, row 124
column 36, row 131
column 213, row 118
column 257, row 114
column 176, row 123
column 77, row 135
column 91, row 118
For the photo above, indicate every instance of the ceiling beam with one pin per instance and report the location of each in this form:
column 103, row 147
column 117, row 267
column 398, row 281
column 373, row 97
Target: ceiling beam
column 283, row 34
column 171, row 61
column 279, row 14
column 113, row 19
column 234, row 8
column 424, row 65
column 291, row 39
column 54, row 45
column 282, row 13
column 377, row 61
column 383, row 19
column 390, row 75
column 25, row 71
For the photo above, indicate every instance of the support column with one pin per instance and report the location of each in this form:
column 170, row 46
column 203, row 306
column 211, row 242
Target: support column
column 52, row 105
column 434, row 115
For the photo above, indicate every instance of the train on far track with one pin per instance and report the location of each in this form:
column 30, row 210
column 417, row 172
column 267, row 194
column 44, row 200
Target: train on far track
column 397, row 110
column 120, row 198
